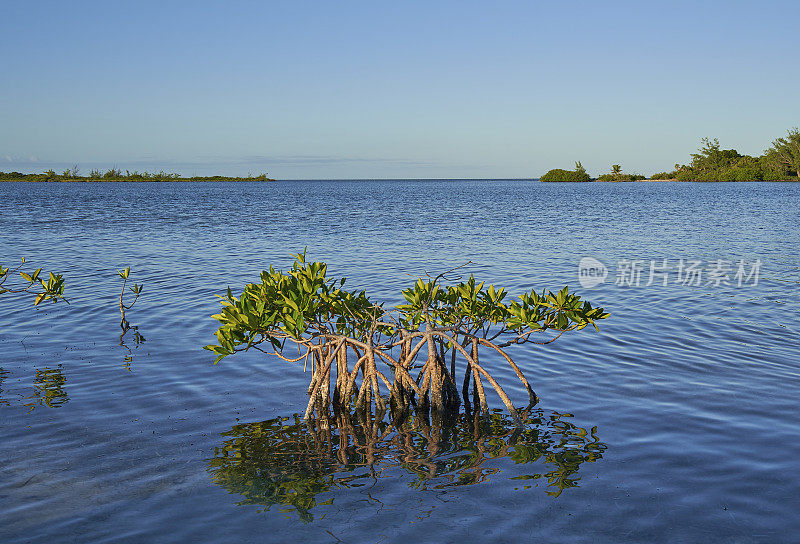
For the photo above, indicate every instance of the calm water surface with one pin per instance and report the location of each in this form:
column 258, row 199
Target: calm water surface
column 677, row 422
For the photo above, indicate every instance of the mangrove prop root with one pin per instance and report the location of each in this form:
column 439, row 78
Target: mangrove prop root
column 477, row 379
column 437, row 390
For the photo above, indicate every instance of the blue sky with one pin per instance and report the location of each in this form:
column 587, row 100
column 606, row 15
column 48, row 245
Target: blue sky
column 379, row 89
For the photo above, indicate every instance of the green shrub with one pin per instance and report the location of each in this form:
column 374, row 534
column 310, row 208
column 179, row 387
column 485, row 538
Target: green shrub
column 771, row 169
column 558, row 174
column 12, row 175
column 620, row 177
column 747, row 173
column 726, row 174
column 306, row 310
column 784, row 155
column 708, row 175
column 773, row 175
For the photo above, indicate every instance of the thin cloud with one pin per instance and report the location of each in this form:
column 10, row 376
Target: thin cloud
column 226, row 164
column 323, row 160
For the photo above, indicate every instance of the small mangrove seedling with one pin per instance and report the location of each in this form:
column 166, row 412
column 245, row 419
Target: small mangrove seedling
column 52, row 289
column 136, row 290
column 335, row 329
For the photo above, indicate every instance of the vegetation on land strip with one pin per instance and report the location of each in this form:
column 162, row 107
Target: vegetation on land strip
column 785, row 153
column 558, row 174
column 439, row 333
column 711, row 163
column 617, row 175
column 781, row 162
column 114, row 174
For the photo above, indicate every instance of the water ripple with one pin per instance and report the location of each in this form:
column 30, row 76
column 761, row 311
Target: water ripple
column 692, row 389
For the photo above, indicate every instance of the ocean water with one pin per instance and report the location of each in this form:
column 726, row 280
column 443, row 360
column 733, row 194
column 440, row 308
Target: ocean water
column 677, row 422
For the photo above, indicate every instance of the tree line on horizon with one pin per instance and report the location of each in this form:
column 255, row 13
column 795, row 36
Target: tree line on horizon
column 781, row 162
column 115, row 174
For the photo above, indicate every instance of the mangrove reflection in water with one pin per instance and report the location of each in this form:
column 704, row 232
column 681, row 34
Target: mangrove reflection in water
column 3, row 375
column 48, row 389
column 286, row 461
column 137, row 339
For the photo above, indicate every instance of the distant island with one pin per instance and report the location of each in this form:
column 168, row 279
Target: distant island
column 781, row 162
column 116, row 175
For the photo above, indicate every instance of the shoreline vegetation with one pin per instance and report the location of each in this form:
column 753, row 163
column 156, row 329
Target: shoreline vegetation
column 781, row 162
column 116, row 175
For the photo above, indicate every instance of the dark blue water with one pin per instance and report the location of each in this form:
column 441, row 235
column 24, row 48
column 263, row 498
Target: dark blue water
column 677, row 422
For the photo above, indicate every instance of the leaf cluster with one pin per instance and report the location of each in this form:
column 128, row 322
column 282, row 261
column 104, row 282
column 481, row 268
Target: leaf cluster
column 301, row 304
column 136, row 289
column 476, row 309
column 50, row 289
